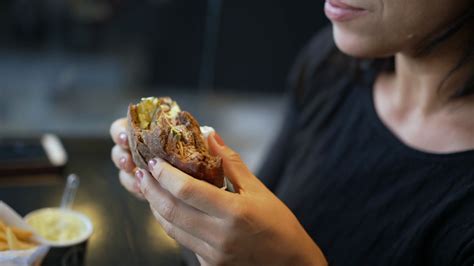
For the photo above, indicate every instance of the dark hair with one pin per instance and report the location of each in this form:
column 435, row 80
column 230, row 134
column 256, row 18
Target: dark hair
column 433, row 41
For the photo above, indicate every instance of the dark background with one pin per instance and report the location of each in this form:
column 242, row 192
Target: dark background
column 71, row 67
column 160, row 42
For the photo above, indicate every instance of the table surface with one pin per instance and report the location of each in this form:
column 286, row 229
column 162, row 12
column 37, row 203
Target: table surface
column 125, row 232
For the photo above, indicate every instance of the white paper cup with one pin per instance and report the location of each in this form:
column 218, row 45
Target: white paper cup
column 69, row 252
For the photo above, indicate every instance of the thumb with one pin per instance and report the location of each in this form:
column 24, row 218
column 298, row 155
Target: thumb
column 234, row 168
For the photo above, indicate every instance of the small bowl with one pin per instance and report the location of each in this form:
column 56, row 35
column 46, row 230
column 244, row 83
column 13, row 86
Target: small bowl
column 71, row 252
column 84, row 219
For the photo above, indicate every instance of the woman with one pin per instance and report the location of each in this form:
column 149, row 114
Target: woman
column 375, row 163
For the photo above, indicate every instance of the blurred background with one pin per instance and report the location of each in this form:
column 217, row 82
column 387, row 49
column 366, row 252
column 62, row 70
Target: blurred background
column 71, row 67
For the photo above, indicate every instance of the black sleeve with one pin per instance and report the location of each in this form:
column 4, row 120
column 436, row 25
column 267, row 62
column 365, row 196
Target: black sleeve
column 312, row 55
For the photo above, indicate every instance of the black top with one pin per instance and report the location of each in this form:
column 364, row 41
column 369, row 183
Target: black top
column 365, row 197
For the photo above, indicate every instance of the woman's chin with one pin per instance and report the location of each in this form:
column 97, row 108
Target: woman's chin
column 358, row 45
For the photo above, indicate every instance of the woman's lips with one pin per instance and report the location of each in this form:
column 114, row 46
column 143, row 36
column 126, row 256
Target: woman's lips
column 338, row 11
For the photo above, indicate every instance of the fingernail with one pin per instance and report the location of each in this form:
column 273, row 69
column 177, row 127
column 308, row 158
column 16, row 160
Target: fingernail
column 123, row 138
column 218, row 139
column 152, row 163
column 139, row 175
column 122, row 162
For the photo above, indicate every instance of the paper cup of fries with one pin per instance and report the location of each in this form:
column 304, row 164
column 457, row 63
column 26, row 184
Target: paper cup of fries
column 18, row 244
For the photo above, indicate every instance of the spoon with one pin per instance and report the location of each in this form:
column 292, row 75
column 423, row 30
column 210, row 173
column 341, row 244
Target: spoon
column 69, row 193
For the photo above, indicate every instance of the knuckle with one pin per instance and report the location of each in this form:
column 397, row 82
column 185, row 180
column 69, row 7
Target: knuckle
column 185, row 192
column 168, row 211
column 186, row 223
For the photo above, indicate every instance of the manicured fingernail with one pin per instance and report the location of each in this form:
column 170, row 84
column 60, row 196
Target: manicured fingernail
column 139, row 174
column 123, row 138
column 123, row 162
column 218, row 139
column 152, row 163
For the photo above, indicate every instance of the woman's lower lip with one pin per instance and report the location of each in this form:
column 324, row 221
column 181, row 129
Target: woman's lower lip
column 337, row 13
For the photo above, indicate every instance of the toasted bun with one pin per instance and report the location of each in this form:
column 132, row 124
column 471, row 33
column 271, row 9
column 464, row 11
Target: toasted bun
column 172, row 135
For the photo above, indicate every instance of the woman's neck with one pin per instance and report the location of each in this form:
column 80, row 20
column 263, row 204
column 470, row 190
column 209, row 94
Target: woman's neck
column 424, row 83
column 422, row 114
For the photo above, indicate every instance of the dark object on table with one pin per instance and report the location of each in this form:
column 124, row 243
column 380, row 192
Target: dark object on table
column 41, row 155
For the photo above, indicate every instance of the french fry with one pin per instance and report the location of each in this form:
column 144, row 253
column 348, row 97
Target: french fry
column 2, row 226
column 26, row 245
column 21, row 234
column 3, row 246
column 3, row 240
column 3, row 237
column 14, row 238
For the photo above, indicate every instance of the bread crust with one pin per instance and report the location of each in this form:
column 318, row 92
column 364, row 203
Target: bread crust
column 185, row 150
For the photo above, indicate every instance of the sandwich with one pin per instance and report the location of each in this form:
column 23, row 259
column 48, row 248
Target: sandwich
column 158, row 128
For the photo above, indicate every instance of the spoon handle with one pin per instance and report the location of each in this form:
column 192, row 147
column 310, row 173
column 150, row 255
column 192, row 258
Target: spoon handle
column 69, row 194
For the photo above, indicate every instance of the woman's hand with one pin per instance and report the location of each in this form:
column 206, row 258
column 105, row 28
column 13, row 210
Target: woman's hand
column 249, row 227
column 122, row 158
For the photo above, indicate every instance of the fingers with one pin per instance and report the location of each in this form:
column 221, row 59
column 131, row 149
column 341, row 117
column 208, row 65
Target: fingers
column 234, row 168
column 122, row 159
column 198, row 246
column 118, row 132
column 179, row 214
column 130, row 184
column 196, row 193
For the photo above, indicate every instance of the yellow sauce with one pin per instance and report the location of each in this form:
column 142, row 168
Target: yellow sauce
column 56, row 225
